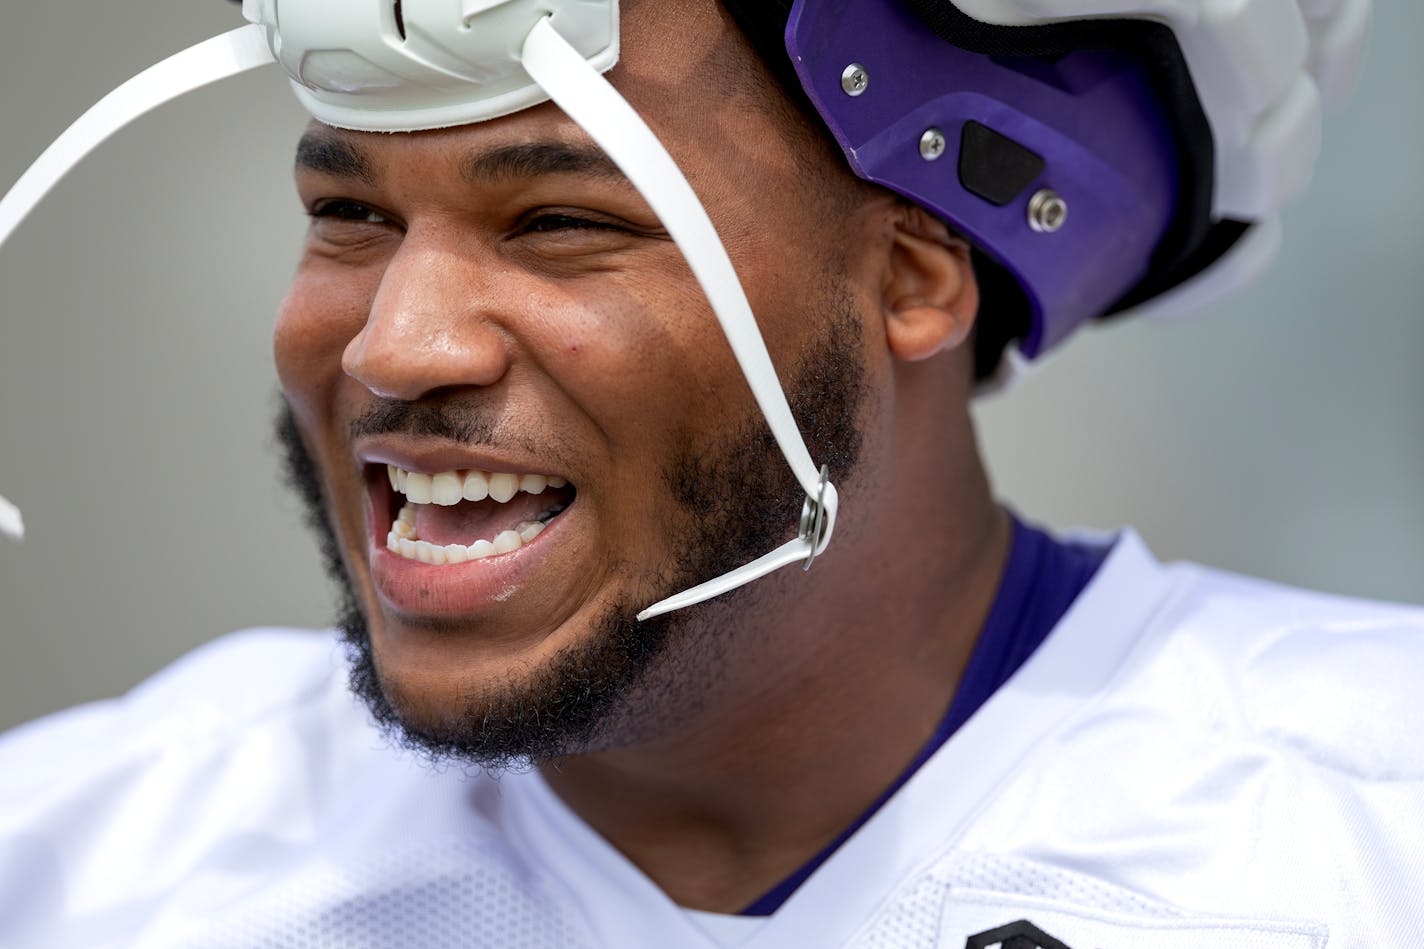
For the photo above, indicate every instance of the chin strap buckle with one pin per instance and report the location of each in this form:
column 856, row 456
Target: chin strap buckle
column 818, row 520
column 815, row 521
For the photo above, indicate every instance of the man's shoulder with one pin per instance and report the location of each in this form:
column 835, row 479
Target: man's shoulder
column 1333, row 679
column 1267, row 637
column 242, row 676
column 1251, row 754
column 1329, row 676
column 1275, row 606
column 1187, row 612
column 1200, row 641
column 214, row 694
column 243, row 786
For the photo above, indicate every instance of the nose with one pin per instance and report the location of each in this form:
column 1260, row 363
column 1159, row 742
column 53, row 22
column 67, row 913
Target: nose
column 431, row 325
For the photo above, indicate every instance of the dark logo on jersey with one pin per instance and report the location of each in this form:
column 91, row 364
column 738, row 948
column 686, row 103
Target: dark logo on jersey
column 1020, row 935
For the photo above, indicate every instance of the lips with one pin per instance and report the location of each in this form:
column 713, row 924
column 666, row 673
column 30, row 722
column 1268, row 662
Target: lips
column 456, row 540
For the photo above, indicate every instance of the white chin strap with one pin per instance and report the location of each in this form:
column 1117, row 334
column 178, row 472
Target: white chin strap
column 591, row 101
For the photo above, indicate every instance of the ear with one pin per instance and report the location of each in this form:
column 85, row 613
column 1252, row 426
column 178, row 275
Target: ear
column 929, row 294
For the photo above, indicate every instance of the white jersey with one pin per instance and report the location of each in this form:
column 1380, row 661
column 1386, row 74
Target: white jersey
column 1190, row 760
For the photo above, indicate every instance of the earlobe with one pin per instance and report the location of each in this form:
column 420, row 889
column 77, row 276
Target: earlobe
column 929, row 296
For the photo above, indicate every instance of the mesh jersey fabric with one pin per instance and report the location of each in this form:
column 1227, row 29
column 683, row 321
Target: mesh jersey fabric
column 443, row 893
column 1189, row 759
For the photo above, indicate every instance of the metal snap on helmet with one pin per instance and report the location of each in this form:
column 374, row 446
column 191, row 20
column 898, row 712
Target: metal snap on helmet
column 1106, row 156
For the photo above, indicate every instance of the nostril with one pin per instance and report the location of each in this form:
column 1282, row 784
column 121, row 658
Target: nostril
column 400, row 20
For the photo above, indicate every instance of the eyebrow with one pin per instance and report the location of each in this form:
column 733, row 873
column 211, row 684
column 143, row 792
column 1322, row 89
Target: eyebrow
column 538, row 159
column 333, row 155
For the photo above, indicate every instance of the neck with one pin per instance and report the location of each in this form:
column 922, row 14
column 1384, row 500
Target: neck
column 728, row 801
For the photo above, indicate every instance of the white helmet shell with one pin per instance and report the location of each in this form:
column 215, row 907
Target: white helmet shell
column 404, row 65
column 1264, row 72
column 1262, row 69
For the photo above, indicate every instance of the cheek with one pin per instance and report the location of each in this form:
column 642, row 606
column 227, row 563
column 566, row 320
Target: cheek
column 648, row 350
column 320, row 315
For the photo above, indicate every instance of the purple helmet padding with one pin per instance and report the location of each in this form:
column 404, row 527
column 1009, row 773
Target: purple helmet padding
column 1108, row 149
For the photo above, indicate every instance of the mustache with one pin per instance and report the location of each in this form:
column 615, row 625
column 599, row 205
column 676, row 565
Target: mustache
column 463, row 423
column 432, row 420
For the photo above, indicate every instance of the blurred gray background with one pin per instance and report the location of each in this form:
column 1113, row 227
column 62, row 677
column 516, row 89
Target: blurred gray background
column 1281, row 435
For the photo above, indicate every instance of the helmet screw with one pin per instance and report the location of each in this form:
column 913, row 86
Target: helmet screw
column 931, row 144
column 854, row 79
column 1047, row 211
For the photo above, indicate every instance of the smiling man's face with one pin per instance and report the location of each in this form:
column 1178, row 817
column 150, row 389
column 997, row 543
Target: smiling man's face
column 522, row 414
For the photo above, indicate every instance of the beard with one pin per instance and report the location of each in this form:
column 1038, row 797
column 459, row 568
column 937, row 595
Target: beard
column 734, row 499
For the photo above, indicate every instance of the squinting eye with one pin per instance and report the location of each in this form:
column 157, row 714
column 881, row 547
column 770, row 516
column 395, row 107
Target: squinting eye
column 565, row 222
column 348, row 211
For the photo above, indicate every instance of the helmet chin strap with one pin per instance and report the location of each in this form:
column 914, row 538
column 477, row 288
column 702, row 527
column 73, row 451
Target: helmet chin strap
column 593, row 103
column 590, row 101
column 222, row 56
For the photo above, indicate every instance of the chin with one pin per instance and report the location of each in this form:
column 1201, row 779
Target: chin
column 452, row 694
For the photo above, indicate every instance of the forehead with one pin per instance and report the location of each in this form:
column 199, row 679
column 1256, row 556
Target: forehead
column 341, row 154
column 685, row 67
column 692, row 45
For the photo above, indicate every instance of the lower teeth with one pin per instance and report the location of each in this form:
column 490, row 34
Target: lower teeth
column 403, row 541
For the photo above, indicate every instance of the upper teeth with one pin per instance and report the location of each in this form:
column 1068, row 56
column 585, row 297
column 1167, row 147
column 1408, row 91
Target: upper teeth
column 447, row 488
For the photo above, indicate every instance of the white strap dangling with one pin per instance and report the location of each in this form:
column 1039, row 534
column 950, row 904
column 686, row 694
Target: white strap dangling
column 227, row 55
column 11, row 524
column 217, row 58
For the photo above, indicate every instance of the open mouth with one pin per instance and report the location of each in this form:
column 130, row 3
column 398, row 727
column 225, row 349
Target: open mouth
column 451, row 517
